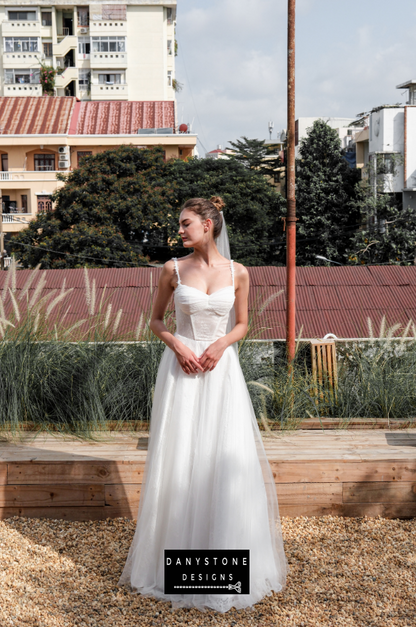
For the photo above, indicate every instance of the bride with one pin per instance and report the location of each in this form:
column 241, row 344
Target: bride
column 207, row 482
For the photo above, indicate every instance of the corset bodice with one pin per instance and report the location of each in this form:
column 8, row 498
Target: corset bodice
column 202, row 316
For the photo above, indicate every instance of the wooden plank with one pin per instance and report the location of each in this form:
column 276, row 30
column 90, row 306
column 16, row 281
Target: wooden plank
column 344, row 471
column 68, row 513
column 51, row 495
column 379, row 492
column 81, row 472
column 351, row 510
column 129, row 495
column 3, row 474
column 126, row 495
column 288, row 493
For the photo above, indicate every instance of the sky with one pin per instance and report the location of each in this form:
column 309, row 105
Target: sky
column 232, row 58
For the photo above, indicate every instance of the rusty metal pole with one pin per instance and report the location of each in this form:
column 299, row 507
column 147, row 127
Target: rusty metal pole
column 291, row 202
column 1, row 236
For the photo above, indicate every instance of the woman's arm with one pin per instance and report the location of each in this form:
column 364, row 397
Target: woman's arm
column 211, row 356
column 186, row 357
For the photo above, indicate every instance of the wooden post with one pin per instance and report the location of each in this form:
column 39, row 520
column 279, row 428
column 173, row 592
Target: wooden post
column 324, row 368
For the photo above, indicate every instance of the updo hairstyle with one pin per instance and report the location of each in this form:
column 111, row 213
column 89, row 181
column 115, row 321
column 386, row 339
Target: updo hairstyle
column 207, row 209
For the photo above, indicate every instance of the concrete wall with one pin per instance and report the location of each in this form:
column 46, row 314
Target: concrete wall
column 305, row 123
column 411, row 149
column 147, row 53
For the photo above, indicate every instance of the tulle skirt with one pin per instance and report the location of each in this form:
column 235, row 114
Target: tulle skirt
column 207, row 483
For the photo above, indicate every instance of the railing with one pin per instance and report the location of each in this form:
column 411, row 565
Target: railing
column 15, row 217
column 16, row 28
column 117, row 91
column 22, row 89
column 108, row 59
column 29, row 175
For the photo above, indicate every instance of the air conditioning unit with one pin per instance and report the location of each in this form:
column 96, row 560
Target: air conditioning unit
column 63, row 150
column 83, row 30
column 63, row 163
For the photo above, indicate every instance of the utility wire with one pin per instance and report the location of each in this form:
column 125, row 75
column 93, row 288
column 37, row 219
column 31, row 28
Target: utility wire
column 58, row 252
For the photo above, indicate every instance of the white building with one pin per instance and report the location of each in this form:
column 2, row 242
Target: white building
column 391, row 130
column 302, row 126
column 120, row 51
column 219, row 153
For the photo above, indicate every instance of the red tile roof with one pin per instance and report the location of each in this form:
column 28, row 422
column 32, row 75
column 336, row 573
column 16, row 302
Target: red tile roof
column 42, row 115
column 123, row 117
column 64, row 115
column 329, row 300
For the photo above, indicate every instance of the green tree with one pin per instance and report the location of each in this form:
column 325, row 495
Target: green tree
column 326, row 191
column 105, row 207
column 121, row 207
column 388, row 235
column 253, row 208
column 255, row 154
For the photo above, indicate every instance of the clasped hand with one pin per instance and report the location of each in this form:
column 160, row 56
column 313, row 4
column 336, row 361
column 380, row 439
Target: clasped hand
column 191, row 364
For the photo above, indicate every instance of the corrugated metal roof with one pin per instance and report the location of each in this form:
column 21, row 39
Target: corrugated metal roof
column 35, row 115
column 62, row 115
column 123, row 117
column 329, row 300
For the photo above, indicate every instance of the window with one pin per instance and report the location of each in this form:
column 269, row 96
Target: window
column 46, row 18
column 24, row 203
column 83, row 153
column 83, row 16
column 44, row 162
column 21, row 76
column 84, row 78
column 22, row 15
column 109, row 79
column 44, row 203
column 5, row 163
column 21, row 44
column 170, row 78
column 47, row 49
column 169, row 46
column 109, row 44
column 169, row 15
column 84, row 46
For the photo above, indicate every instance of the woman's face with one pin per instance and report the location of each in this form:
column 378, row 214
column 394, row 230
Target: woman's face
column 191, row 229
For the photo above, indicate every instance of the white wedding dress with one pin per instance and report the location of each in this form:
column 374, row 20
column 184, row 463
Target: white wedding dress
column 207, row 481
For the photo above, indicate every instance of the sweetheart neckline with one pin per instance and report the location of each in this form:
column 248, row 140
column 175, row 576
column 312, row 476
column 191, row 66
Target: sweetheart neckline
column 204, row 293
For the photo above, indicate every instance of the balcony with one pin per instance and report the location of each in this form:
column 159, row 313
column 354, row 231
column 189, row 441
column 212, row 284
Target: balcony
column 20, row 28
column 68, row 75
column 21, row 59
column 22, row 89
column 118, row 91
column 26, row 175
column 19, row 218
column 108, row 60
column 107, row 27
column 65, row 45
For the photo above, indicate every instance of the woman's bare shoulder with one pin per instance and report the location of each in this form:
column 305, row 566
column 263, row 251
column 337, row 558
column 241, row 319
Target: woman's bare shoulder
column 168, row 274
column 240, row 273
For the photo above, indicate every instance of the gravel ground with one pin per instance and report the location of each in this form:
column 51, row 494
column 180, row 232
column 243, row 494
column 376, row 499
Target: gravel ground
column 344, row 571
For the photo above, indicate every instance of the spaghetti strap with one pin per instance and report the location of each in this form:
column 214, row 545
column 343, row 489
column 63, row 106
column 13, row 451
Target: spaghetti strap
column 232, row 270
column 175, row 261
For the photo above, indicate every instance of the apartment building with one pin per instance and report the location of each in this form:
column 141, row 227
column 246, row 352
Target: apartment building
column 50, row 135
column 119, row 51
column 389, row 137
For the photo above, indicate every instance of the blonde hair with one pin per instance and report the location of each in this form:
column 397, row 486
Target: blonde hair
column 207, row 209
